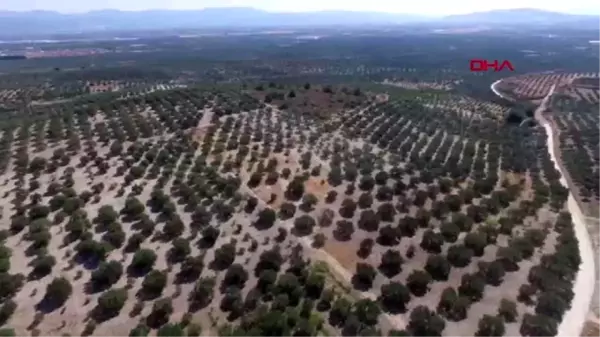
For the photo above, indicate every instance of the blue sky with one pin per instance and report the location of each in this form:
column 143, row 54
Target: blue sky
column 431, row 7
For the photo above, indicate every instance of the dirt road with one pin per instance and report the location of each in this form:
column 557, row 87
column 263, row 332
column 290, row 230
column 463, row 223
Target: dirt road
column 575, row 318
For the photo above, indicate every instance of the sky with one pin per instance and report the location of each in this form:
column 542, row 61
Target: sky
column 428, row 7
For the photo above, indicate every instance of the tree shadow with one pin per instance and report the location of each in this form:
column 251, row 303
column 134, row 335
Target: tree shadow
column 156, row 319
column 37, row 275
column 70, row 238
column 386, row 243
column 390, row 272
column 186, row 278
column 234, row 315
column 261, row 226
column 129, row 217
column 89, row 263
column 145, row 295
column 100, row 227
column 361, row 285
column 301, row 233
column 219, row 265
column 363, row 253
column 204, row 243
column 137, row 272
column 392, row 309
column 131, row 248
column 189, row 208
column 342, row 237
column 349, row 330
column 335, row 320
column 47, row 306
column 162, row 217
column 195, row 306
column 91, row 287
column 100, row 315
column 33, row 250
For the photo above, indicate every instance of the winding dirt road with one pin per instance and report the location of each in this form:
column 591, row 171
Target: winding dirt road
column 575, row 318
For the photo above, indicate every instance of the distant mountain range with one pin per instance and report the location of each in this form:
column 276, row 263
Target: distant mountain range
column 522, row 16
column 49, row 22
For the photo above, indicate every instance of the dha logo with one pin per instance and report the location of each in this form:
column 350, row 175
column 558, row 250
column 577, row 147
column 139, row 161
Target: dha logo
column 485, row 65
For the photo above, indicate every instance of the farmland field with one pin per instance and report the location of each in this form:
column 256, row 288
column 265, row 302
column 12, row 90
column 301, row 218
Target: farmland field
column 265, row 188
column 537, row 86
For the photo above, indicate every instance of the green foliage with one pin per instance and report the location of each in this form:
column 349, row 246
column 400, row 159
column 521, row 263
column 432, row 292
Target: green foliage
column 110, row 303
column 367, row 311
column 107, row 274
column 394, row 297
column 508, row 310
column 194, row 330
column 418, row 282
column 170, row 330
column 143, row 260
column 140, row 330
column 490, row 326
column 7, row 332
column 424, row 322
column 58, row 291
column 6, row 311
column 153, row 284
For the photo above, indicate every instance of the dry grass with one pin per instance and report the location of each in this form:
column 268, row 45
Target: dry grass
column 591, row 329
column 344, row 253
column 317, row 186
column 315, row 101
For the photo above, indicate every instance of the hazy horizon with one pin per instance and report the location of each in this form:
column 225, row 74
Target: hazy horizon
column 427, row 8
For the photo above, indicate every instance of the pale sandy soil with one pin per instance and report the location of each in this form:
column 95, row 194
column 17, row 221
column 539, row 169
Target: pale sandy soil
column 71, row 318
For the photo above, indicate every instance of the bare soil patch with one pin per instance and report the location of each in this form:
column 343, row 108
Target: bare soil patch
column 320, row 102
column 591, row 329
column 318, row 186
column 343, row 252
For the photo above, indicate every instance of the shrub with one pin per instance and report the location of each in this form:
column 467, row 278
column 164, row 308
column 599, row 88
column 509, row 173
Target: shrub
column 490, row 326
column 391, row 263
column 394, row 297
column 170, row 330
column 364, row 276
column 418, row 282
column 110, row 304
column 58, row 291
column 107, row 274
column 143, row 261
column 438, row 267
column 424, row 322
column 153, row 284
column 508, row 310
